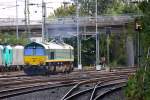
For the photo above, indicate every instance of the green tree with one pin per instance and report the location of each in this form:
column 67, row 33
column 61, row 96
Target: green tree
column 87, row 7
column 64, row 11
column 145, row 34
column 6, row 38
column 116, row 7
column 88, row 50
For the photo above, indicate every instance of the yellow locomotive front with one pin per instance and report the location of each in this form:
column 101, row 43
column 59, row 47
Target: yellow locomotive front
column 34, row 54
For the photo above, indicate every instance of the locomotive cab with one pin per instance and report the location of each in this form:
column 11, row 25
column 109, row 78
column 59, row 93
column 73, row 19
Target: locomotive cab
column 34, row 54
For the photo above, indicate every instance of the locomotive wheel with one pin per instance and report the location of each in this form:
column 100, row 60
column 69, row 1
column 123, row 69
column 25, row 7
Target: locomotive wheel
column 50, row 68
column 71, row 67
column 5, row 69
column 53, row 69
column 63, row 69
column 67, row 69
column 18, row 68
column 1, row 69
column 15, row 68
column 60, row 69
column 22, row 67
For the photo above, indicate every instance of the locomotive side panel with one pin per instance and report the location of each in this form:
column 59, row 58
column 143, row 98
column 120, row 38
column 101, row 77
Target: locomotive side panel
column 60, row 57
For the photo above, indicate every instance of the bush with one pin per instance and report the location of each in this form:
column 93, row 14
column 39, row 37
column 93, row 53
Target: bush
column 12, row 40
column 138, row 85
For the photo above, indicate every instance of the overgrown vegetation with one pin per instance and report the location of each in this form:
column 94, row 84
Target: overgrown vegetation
column 62, row 12
column 105, row 7
column 138, row 86
column 11, row 39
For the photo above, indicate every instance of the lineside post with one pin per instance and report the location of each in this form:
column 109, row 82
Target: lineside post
column 98, row 66
column 78, row 39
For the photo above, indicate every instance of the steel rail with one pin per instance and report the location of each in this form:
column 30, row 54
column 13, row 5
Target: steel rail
column 90, row 90
column 65, row 81
column 29, row 89
column 12, row 85
column 99, row 84
column 78, row 81
column 109, row 91
column 14, row 74
column 100, row 81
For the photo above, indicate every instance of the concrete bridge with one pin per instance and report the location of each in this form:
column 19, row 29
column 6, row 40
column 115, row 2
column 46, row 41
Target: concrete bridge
column 67, row 26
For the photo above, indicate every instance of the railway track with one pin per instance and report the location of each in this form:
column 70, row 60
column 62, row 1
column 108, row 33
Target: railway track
column 39, row 79
column 74, row 80
column 22, row 74
column 29, row 89
column 92, row 93
column 10, row 82
column 16, row 75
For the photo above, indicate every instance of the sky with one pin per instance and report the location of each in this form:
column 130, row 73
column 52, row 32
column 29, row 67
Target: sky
column 8, row 8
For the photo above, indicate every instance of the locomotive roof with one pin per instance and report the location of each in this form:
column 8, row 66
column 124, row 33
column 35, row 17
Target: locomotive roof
column 53, row 45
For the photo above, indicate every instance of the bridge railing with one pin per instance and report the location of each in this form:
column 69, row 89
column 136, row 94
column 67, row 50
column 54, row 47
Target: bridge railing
column 13, row 21
column 105, row 19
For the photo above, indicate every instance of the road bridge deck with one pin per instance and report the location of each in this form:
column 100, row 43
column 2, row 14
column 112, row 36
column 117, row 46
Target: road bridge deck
column 68, row 24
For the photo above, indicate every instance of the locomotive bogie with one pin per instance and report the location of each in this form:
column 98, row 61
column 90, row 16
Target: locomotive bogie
column 58, row 67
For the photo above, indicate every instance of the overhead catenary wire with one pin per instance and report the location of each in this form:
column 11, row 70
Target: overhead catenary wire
column 10, row 4
column 7, row 4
